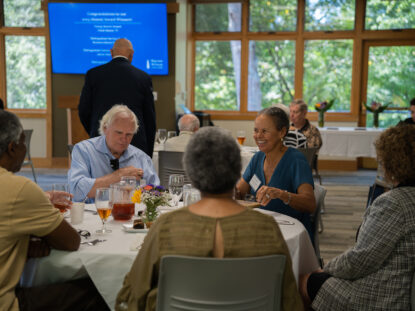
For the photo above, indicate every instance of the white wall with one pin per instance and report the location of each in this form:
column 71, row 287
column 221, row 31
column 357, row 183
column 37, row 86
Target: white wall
column 38, row 141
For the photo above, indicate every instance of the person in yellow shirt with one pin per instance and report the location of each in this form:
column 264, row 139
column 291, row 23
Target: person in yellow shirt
column 29, row 227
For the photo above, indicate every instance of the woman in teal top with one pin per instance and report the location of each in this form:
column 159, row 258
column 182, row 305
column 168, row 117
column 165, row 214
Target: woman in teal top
column 279, row 177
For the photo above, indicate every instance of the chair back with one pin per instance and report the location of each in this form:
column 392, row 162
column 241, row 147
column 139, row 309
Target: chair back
column 28, row 137
column 319, row 194
column 198, row 283
column 413, row 294
column 28, row 158
column 170, row 162
column 309, row 154
column 70, row 148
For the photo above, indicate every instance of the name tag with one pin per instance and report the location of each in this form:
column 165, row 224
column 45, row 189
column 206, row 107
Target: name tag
column 255, row 182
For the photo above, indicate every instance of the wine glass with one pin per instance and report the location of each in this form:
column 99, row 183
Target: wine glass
column 61, row 199
column 240, row 136
column 102, row 199
column 162, row 135
column 171, row 134
column 176, row 182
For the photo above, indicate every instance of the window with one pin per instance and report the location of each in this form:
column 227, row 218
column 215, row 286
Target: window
column 390, row 81
column 218, row 17
column 271, row 73
column 23, row 13
column 273, row 16
column 328, row 73
column 381, row 14
column 329, row 15
column 25, row 72
column 251, row 54
column 217, row 75
column 24, row 52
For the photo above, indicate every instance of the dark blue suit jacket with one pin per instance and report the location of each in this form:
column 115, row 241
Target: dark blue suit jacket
column 119, row 82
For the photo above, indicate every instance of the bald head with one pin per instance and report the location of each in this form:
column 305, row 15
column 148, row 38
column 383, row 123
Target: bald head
column 189, row 122
column 122, row 47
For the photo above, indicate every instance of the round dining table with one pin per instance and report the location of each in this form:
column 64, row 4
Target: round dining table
column 108, row 261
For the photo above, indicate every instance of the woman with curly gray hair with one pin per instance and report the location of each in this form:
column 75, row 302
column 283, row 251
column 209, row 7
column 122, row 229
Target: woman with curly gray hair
column 216, row 226
column 376, row 273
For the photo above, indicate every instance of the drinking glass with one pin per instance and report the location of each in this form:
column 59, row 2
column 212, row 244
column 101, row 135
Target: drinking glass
column 171, row 134
column 240, row 136
column 162, row 135
column 186, row 190
column 192, row 197
column 129, row 180
column 103, row 206
column 60, row 200
column 176, row 182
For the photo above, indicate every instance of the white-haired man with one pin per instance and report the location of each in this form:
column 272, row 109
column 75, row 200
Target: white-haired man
column 188, row 124
column 101, row 161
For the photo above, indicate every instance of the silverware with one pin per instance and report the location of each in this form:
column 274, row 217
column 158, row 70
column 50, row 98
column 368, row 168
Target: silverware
column 93, row 242
column 91, row 211
column 284, row 222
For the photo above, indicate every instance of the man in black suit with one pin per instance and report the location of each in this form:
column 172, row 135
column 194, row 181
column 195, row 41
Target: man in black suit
column 119, row 82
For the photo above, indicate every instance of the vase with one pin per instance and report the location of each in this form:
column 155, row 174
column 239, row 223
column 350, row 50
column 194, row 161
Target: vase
column 321, row 119
column 375, row 119
column 150, row 213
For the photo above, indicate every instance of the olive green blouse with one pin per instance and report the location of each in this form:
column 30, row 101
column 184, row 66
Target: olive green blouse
column 246, row 234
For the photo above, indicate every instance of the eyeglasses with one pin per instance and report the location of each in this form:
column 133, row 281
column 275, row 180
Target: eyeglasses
column 115, row 164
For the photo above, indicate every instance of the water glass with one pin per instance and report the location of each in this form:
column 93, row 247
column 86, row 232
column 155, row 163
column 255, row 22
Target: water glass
column 192, row 197
column 176, row 182
column 171, row 134
column 162, row 133
column 186, row 190
column 129, row 180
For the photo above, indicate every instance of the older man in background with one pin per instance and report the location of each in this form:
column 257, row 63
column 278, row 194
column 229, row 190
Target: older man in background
column 101, row 161
column 119, row 82
column 29, row 227
column 299, row 122
column 188, row 124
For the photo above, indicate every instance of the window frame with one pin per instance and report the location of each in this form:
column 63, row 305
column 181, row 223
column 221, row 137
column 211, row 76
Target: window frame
column 359, row 35
column 45, row 113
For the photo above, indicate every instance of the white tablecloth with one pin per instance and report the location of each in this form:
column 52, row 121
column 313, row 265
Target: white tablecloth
column 349, row 142
column 108, row 262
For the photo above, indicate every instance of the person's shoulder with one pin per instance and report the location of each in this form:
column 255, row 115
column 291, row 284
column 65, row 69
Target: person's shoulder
column 17, row 182
column 88, row 143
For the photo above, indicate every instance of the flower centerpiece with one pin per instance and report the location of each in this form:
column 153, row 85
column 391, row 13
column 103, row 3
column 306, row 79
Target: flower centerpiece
column 152, row 197
column 322, row 107
column 376, row 108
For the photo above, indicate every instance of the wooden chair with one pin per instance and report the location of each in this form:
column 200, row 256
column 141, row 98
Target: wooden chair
column 170, row 162
column 28, row 158
column 198, row 283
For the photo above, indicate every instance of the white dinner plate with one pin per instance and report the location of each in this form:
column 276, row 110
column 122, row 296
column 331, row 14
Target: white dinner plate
column 130, row 228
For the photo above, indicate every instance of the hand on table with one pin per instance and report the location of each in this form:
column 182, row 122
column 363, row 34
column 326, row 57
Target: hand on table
column 265, row 194
column 60, row 197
